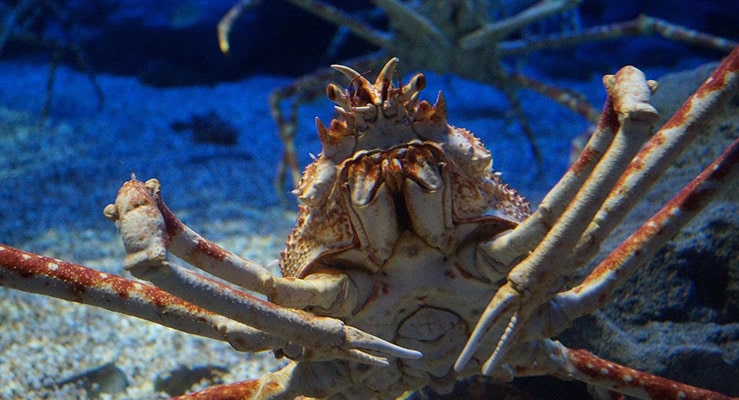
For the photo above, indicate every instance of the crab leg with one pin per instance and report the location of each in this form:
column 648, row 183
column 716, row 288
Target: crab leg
column 530, row 282
column 490, row 33
column 620, row 264
column 323, row 10
column 595, row 290
column 642, row 25
column 572, row 100
column 296, row 380
column 414, row 23
column 626, row 105
column 656, row 157
column 61, row 279
column 208, row 256
column 226, row 23
column 340, row 18
column 587, row 367
column 329, row 336
column 548, row 357
column 145, row 236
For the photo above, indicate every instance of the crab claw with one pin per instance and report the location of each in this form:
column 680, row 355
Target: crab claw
column 505, row 302
column 359, row 339
column 146, row 235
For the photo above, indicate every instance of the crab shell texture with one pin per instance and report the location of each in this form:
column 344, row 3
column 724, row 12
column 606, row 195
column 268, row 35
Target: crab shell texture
column 392, row 164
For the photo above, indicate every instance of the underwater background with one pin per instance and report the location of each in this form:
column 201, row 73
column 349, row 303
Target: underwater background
column 92, row 91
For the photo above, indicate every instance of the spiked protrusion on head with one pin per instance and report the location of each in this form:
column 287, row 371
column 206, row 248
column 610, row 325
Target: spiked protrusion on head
column 440, row 106
column 412, row 89
column 380, row 115
column 388, row 70
column 337, row 95
column 349, row 72
column 435, row 113
column 336, row 141
column 323, row 134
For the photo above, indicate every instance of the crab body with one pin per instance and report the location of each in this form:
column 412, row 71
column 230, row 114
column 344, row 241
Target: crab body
column 397, row 200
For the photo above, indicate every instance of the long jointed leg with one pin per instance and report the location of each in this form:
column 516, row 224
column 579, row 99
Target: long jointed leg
column 61, row 279
column 587, row 367
column 323, row 291
column 547, row 357
column 638, row 249
column 537, row 357
column 535, row 280
column 296, row 380
column 627, row 99
column 630, row 94
column 641, row 26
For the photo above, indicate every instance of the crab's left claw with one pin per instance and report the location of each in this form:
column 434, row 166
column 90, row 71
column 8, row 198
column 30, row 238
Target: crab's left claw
column 149, row 229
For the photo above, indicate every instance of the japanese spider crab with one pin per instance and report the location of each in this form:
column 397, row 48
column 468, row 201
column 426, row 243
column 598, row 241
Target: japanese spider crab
column 402, row 224
column 468, row 38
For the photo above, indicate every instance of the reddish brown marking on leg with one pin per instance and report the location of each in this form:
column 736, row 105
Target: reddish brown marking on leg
column 235, row 391
column 619, row 377
column 211, row 249
column 608, row 121
column 692, row 198
column 586, row 157
column 174, row 225
column 715, row 82
column 78, row 279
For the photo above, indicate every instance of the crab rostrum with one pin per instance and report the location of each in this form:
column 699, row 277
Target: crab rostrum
column 404, row 235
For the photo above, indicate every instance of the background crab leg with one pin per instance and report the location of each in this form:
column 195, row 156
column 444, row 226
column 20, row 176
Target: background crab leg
column 642, row 25
column 323, row 10
column 492, row 32
column 56, row 278
column 415, row 22
column 226, row 23
column 570, row 99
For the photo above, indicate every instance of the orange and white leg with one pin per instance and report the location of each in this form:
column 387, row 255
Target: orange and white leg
column 61, row 279
column 547, row 357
